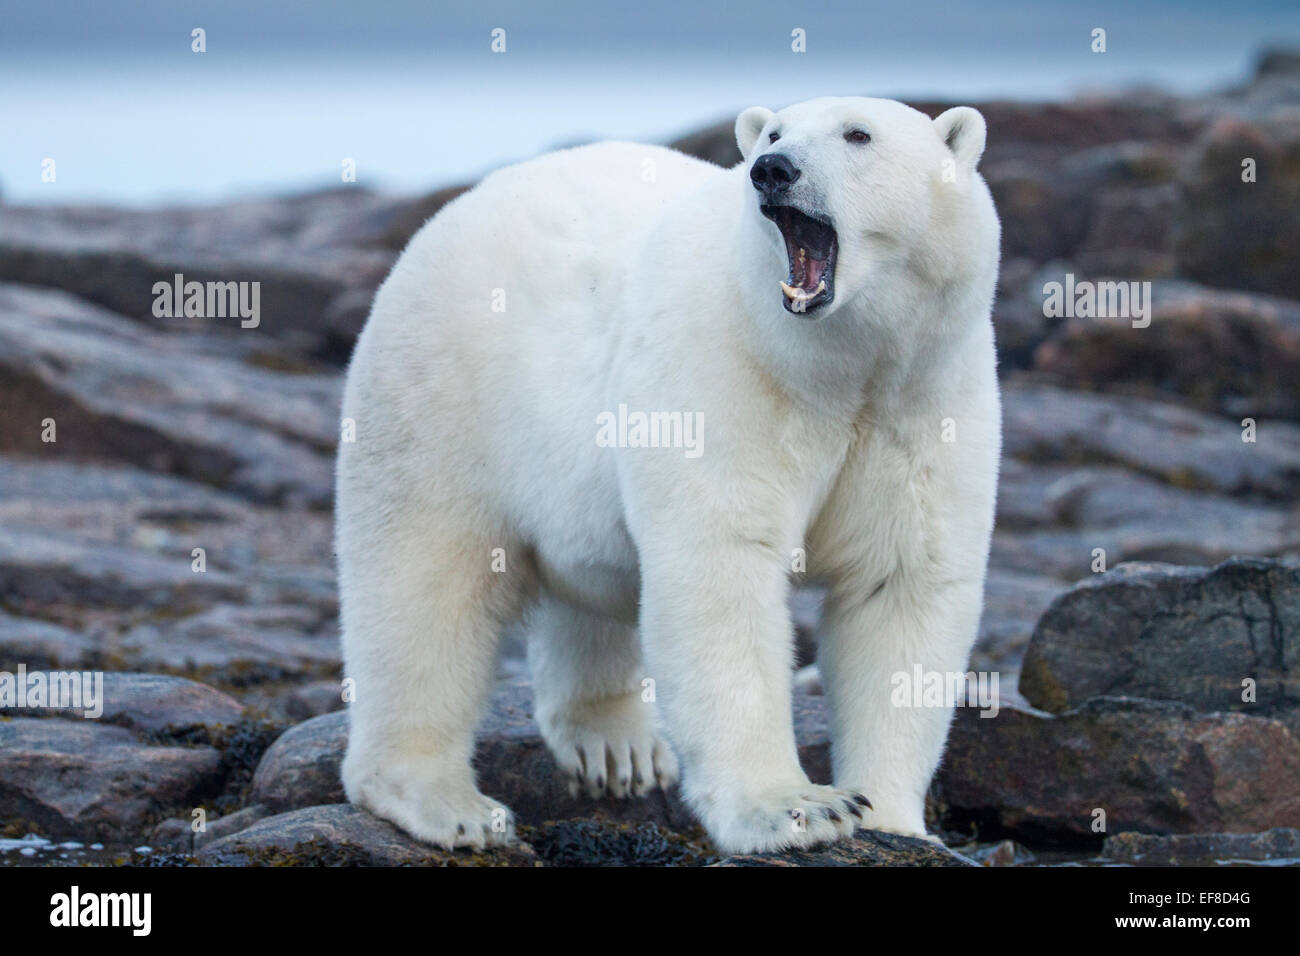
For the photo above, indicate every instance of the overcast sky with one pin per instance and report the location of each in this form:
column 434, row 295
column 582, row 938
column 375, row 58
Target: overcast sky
column 413, row 93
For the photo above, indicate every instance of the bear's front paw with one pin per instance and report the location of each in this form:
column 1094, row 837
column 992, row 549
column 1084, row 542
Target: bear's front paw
column 418, row 795
column 782, row 818
column 917, row 832
column 610, row 747
column 904, row 817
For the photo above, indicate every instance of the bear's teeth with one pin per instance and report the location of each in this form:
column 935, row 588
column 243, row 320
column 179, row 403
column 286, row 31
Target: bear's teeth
column 799, row 295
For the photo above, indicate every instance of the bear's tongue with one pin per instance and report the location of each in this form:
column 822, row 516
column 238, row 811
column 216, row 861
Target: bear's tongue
column 807, row 270
column 806, row 267
column 809, row 245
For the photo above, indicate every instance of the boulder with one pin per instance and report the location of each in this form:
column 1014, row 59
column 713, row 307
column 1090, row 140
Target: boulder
column 90, row 780
column 158, row 706
column 301, row 769
column 343, row 835
column 1173, row 633
column 1234, row 232
column 1232, row 353
column 1150, row 766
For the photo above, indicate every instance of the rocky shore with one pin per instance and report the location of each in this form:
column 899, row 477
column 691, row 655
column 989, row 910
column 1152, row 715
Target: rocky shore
column 1143, row 599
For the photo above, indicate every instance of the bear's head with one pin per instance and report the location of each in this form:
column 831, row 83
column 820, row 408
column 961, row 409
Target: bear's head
column 847, row 189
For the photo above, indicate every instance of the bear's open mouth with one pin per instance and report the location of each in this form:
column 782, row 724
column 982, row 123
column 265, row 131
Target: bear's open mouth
column 811, row 245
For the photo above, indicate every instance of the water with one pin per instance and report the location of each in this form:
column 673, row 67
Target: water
column 414, row 95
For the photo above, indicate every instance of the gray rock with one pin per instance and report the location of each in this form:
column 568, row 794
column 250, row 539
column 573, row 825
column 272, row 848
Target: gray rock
column 343, row 835
column 1152, row 766
column 90, row 780
column 1243, row 234
column 235, row 645
column 1022, row 494
column 1131, row 233
column 867, row 848
column 107, row 502
column 119, row 392
column 1002, row 853
column 1013, row 603
column 1172, row 633
column 280, row 556
column 715, row 144
column 298, row 702
column 1204, row 849
column 300, row 250
column 1019, row 326
column 160, row 706
column 229, row 824
column 172, row 835
column 179, row 836
column 1055, row 516
column 345, row 317
column 1039, row 210
column 1185, row 448
column 41, row 645
column 1234, row 353
column 301, row 769
column 42, row 569
column 512, row 763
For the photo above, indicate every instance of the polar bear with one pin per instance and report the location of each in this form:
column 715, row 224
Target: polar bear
column 810, row 330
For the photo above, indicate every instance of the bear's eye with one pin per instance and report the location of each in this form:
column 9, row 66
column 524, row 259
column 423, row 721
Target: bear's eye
column 773, row 137
column 857, row 136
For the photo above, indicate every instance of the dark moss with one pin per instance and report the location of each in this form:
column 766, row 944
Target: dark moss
column 603, row 843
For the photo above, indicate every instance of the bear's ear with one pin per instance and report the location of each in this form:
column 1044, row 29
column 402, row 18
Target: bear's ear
column 962, row 131
column 748, row 125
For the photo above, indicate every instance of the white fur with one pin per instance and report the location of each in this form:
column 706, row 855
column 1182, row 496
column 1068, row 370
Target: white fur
column 636, row 275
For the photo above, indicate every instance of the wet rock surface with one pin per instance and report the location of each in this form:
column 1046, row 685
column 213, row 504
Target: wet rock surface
column 1279, row 845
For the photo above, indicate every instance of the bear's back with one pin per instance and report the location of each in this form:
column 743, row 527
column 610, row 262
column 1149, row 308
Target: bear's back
column 571, row 206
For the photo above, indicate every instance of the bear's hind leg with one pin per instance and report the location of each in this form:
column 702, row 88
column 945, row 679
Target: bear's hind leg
column 590, row 703
column 422, row 612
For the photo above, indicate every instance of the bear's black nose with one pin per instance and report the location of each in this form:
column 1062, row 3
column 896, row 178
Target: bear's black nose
column 773, row 173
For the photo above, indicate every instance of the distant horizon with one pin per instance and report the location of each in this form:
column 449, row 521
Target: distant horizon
column 416, row 98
